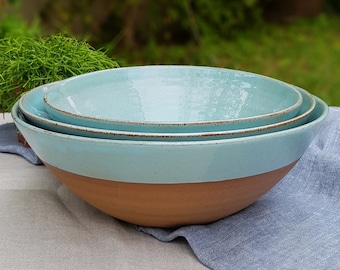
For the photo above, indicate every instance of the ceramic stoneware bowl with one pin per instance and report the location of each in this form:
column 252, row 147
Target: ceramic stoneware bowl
column 32, row 106
column 168, row 184
column 172, row 99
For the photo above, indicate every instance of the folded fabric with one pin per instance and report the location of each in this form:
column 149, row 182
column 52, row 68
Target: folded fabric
column 9, row 144
column 296, row 225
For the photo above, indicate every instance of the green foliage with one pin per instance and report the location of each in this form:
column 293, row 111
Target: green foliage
column 14, row 26
column 223, row 19
column 26, row 63
column 220, row 33
column 138, row 22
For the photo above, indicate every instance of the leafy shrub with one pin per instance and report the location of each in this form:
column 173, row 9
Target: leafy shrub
column 138, row 22
column 13, row 26
column 27, row 62
column 225, row 18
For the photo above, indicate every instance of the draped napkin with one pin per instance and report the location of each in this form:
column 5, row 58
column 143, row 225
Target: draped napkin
column 296, row 225
column 9, row 144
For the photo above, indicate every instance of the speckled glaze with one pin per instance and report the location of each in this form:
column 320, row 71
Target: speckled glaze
column 172, row 99
column 32, row 106
column 158, row 162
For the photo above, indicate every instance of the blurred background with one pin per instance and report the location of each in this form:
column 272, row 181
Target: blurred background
column 297, row 41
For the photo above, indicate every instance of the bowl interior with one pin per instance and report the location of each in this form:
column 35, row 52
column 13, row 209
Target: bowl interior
column 33, row 108
column 171, row 99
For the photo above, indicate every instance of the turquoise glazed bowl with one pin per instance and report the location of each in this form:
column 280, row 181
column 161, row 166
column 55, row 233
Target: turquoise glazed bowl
column 169, row 184
column 169, row 99
column 33, row 107
column 172, row 162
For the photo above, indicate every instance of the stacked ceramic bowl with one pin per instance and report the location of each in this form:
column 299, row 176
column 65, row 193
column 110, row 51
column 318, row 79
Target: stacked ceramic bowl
column 169, row 145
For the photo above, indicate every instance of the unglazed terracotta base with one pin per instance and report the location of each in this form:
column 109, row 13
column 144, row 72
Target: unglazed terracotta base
column 170, row 205
column 22, row 139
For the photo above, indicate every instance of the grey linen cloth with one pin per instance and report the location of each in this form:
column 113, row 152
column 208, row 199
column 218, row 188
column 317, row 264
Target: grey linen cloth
column 296, row 225
column 9, row 144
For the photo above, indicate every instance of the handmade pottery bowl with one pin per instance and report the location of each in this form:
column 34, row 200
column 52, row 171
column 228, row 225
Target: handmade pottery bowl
column 172, row 99
column 32, row 106
column 168, row 184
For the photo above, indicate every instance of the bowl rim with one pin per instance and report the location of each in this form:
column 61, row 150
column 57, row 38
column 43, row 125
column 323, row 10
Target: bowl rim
column 211, row 160
column 158, row 135
column 17, row 117
column 186, row 124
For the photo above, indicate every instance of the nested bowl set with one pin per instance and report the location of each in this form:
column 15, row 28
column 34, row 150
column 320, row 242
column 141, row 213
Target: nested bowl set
column 169, row 145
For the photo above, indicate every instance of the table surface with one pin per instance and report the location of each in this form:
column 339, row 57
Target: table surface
column 45, row 226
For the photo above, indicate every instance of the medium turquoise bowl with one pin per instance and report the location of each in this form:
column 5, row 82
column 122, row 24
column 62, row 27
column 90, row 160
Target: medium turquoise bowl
column 32, row 106
column 170, row 99
column 160, row 162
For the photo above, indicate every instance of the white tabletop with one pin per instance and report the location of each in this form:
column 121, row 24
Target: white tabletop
column 44, row 226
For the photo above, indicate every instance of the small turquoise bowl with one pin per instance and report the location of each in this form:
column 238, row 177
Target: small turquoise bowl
column 33, row 107
column 170, row 99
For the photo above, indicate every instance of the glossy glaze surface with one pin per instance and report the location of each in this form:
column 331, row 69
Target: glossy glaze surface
column 172, row 162
column 33, row 108
column 172, row 99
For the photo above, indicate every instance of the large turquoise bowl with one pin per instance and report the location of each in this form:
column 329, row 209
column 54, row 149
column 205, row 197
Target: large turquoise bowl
column 167, row 184
column 172, row 99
